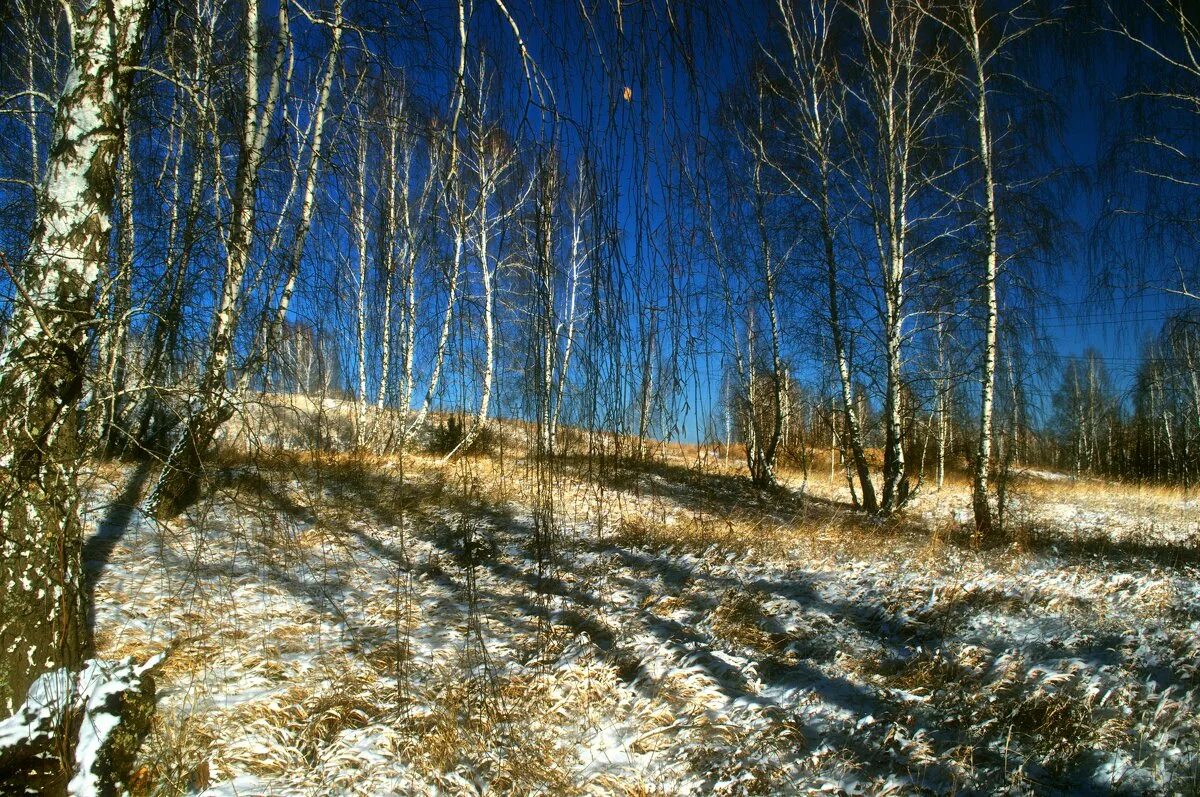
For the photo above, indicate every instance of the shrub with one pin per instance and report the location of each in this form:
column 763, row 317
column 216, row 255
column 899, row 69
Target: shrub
column 447, row 435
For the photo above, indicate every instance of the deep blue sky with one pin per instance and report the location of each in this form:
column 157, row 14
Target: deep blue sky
column 1090, row 297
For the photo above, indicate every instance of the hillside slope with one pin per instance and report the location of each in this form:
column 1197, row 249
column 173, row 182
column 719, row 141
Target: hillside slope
column 335, row 627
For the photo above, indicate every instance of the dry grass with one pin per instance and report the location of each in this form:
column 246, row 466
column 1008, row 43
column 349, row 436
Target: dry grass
column 739, row 618
column 498, row 728
column 438, row 716
column 1093, row 490
column 956, row 601
column 453, row 722
column 1055, row 718
column 691, row 534
column 928, row 672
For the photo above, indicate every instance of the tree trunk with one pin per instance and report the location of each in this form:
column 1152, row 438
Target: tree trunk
column 181, row 476
column 273, row 331
column 487, row 167
column 547, row 344
column 852, row 434
column 43, row 613
column 362, row 405
column 983, row 453
column 181, row 237
column 387, row 244
column 452, row 195
column 646, row 396
column 778, row 379
column 113, row 432
column 942, row 386
column 893, row 451
column 577, row 259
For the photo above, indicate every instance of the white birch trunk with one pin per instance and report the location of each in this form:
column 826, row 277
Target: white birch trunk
column 942, row 402
column 112, row 430
column 362, row 405
column 181, row 476
column 452, row 195
column 983, row 453
column 819, row 107
column 44, row 606
column 270, row 335
column 388, row 245
column 483, row 222
column 577, row 260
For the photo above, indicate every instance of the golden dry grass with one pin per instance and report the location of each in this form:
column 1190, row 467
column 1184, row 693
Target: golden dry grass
column 739, row 619
column 508, row 728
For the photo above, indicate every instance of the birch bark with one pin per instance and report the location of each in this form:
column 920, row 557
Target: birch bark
column 180, row 480
column 983, row 453
column 42, row 598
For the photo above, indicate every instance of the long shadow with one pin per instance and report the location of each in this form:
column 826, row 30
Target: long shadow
column 684, row 644
column 423, row 503
column 1099, row 545
column 374, row 494
column 687, row 642
column 695, row 489
column 318, row 595
column 254, row 484
column 385, row 500
column 112, row 528
column 898, row 635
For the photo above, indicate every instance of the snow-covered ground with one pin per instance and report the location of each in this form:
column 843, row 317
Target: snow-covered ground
column 341, row 630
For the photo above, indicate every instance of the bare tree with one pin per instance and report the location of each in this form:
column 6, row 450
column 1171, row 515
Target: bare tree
column 490, row 158
column 901, row 98
column 971, row 32
column 1173, row 45
column 543, row 243
column 186, row 180
column 180, row 478
column 274, row 321
column 43, row 361
column 579, row 259
column 447, row 157
column 984, row 35
column 815, row 98
column 359, row 223
column 114, row 342
column 762, row 444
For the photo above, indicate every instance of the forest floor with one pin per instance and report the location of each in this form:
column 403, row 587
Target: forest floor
column 363, row 625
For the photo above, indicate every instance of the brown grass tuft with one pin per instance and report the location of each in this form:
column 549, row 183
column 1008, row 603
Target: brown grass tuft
column 739, row 619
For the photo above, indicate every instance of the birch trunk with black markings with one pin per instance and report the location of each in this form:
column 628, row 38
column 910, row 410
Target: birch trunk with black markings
column 42, row 363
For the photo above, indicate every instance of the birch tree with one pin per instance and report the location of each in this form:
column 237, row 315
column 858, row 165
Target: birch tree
column 545, row 343
column 42, row 363
column 984, row 34
column 186, row 180
column 180, row 478
column 901, row 100
column 815, row 99
column 390, row 177
column 763, row 430
column 445, row 160
column 316, row 136
column 114, row 334
column 579, row 260
column 490, row 158
column 966, row 23
column 407, row 231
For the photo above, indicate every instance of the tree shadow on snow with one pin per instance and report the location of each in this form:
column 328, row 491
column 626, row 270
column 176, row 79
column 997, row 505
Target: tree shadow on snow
column 110, row 530
column 463, row 534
